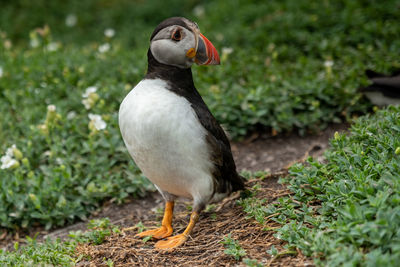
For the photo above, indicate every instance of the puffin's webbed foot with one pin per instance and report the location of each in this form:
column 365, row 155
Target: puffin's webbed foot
column 177, row 240
column 158, row 233
column 171, row 242
column 166, row 228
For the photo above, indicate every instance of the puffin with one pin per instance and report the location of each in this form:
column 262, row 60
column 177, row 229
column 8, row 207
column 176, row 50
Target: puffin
column 171, row 134
column 384, row 90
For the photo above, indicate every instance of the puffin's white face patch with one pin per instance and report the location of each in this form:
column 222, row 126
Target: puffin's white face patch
column 170, row 52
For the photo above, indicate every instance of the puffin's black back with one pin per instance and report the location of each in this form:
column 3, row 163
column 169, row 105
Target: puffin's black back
column 180, row 82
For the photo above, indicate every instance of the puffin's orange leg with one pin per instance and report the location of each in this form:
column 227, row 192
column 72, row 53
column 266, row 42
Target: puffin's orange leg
column 177, row 240
column 166, row 228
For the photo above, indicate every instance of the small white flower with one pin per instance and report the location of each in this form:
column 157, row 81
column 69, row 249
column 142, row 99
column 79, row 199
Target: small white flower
column 109, row 32
column 219, row 37
column 89, row 90
column 71, row 115
column 328, row 63
column 225, row 53
column 1, row 72
column 52, row 47
column 97, row 121
column 87, row 103
column 34, row 43
column 10, row 151
column 104, row 48
column 227, row 50
column 51, row 108
column 90, row 97
column 199, row 11
column 47, row 153
column 7, row 162
column 71, row 20
column 7, row 44
column 59, row 161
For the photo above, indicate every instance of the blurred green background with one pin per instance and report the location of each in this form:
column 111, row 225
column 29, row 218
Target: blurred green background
column 277, row 70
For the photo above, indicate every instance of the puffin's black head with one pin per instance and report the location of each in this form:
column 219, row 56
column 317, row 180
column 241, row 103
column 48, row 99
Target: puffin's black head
column 178, row 42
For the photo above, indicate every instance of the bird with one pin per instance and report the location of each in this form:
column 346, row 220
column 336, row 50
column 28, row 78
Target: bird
column 171, row 134
column 384, row 90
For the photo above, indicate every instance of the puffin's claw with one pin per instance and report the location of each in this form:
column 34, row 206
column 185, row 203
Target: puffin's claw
column 171, row 242
column 166, row 228
column 177, row 240
column 159, row 233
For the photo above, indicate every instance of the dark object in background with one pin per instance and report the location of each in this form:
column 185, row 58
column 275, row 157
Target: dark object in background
column 384, row 90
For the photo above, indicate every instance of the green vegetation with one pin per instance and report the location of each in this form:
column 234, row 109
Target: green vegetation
column 98, row 230
column 233, row 247
column 252, row 263
column 345, row 211
column 286, row 65
column 56, row 252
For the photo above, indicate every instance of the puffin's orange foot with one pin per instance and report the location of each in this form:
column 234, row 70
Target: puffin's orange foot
column 171, row 242
column 158, row 233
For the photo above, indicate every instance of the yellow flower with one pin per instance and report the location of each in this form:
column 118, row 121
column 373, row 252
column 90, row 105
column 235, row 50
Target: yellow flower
column 43, row 129
column 226, row 51
column 25, row 162
column 17, row 153
column 51, row 117
column 35, row 200
column 336, row 135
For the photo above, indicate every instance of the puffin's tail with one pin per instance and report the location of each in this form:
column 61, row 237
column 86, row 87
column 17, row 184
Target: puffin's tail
column 238, row 183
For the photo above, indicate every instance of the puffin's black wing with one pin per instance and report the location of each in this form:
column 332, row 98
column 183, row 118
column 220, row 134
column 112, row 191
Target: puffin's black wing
column 225, row 173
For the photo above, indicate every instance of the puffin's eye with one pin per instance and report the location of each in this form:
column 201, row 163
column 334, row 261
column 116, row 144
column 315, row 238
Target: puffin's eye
column 177, row 36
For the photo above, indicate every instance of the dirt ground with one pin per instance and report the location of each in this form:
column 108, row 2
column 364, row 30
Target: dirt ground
column 261, row 151
column 258, row 152
column 204, row 247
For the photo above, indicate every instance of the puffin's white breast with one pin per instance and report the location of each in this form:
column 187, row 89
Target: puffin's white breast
column 166, row 140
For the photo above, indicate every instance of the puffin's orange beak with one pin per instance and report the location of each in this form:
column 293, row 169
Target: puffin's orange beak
column 206, row 53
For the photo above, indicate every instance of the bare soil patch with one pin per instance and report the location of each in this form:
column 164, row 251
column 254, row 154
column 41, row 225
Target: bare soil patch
column 261, row 151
